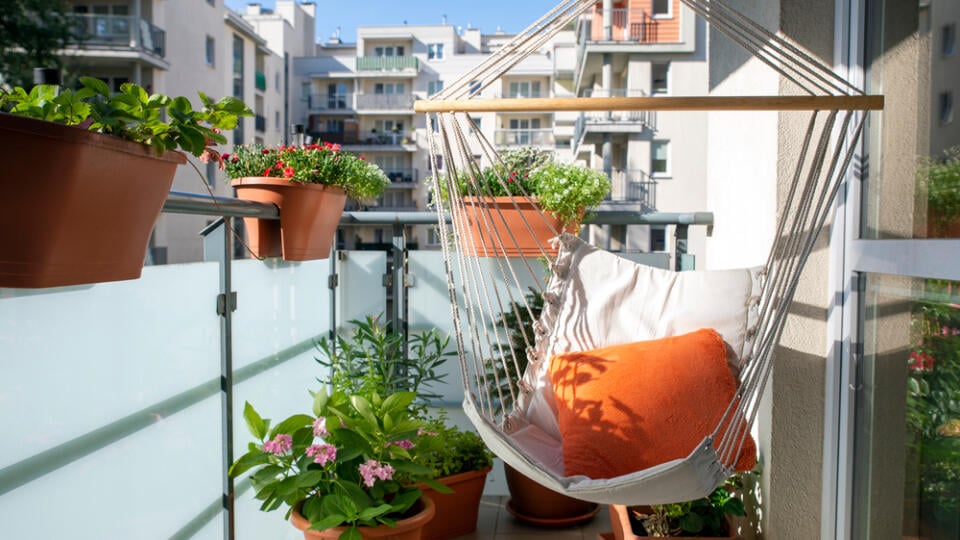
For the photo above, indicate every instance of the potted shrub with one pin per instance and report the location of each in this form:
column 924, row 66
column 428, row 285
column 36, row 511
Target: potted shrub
column 371, row 358
column 704, row 518
column 309, row 184
column 515, row 206
column 345, row 471
column 87, row 174
column 461, row 461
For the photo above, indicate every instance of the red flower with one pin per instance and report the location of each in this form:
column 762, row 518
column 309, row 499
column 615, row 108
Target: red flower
column 920, row 361
column 288, row 172
column 266, row 171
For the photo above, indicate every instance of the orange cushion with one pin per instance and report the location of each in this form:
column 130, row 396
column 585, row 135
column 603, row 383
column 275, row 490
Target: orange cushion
column 629, row 407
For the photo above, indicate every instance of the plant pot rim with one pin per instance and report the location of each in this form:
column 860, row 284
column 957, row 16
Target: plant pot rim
column 425, row 515
column 254, row 181
column 459, row 477
column 77, row 135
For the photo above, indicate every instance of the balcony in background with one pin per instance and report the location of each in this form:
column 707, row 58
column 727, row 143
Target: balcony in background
column 331, row 102
column 260, row 81
column 120, row 33
column 627, row 25
column 388, row 63
column 381, row 102
column 403, row 177
column 632, row 186
column 523, row 137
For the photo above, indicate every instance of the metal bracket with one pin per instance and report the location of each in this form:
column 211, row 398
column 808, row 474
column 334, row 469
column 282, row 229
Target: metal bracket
column 222, row 303
column 409, row 281
column 388, row 280
column 333, row 281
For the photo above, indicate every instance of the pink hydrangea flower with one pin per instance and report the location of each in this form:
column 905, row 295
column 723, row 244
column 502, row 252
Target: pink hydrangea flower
column 322, row 453
column 320, row 427
column 406, row 444
column 373, row 470
column 280, row 444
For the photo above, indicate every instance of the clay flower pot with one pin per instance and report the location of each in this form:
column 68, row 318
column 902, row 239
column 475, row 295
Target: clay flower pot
column 77, row 206
column 309, row 216
column 456, row 512
column 507, row 226
column 533, row 503
column 409, row 528
column 623, row 526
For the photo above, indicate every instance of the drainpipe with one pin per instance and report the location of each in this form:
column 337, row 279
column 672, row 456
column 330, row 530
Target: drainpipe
column 608, row 20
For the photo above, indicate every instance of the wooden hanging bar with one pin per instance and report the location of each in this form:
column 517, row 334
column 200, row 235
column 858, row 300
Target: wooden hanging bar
column 665, row 103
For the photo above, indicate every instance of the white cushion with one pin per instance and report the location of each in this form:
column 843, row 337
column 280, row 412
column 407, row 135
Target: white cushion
column 596, row 299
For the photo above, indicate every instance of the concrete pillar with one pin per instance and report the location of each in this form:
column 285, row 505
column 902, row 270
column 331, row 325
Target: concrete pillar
column 608, row 20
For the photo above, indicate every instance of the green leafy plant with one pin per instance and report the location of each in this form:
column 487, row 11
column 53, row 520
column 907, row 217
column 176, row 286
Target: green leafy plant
column 702, row 517
column 941, row 177
column 325, row 164
column 132, row 114
column 347, row 464
column 564, row 190
column 449, row 450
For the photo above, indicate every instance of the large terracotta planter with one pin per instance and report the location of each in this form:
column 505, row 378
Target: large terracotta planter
column 623, row 528
column 535, row 504
column 456, row 512
column 77, row 207
column 410, row 528
column 309, row 216
column 508, row 226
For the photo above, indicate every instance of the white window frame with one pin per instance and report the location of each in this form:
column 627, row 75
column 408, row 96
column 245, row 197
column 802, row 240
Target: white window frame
column 434, row 86
column 435, row 51
column 669, row 172
column 653, row 87
column 667, row 15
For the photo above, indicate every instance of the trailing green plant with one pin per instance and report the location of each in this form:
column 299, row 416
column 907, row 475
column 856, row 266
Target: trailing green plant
column 702, row 517
column 564, row 190
column 347, row 464
column 325, row 164
column 370, row 358
column 155, row 120
column 517, row 322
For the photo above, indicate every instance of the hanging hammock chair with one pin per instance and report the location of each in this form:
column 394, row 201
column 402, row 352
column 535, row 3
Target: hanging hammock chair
column 639, row 385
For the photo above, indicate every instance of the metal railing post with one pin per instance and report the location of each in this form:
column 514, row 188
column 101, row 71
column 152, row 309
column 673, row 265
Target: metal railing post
column 226, row 303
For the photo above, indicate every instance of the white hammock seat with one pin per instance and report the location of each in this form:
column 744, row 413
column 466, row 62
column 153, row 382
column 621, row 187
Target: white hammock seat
column 594, row 299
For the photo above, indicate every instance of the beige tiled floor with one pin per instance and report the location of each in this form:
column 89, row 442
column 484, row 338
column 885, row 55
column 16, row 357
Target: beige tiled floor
column 496, row 523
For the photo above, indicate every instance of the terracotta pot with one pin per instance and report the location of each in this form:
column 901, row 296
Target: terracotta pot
column 535, row 504
column 309, row 216
column 410, row 528
column 456, row 512
column 522, row 228
column 77, row 207
column 623, row 528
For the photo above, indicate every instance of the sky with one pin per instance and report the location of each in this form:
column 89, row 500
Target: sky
column 510, row 15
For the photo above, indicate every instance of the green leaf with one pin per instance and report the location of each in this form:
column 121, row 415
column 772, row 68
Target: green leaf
column 328, row 522
column 439, row 487
column 351, row 534
column 254, row 423
column 320, row 399
column 310, row 478
column 292, row 424
column 691, row 523
column 398, row 402
column 95, row 85
column 374, row 512
column 248, row 461
column 403, row 501
column 363, row 407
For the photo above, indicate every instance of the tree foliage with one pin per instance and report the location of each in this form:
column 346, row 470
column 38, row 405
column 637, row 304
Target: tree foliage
column 32, row 34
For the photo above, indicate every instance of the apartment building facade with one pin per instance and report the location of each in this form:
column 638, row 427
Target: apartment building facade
column 180, row 48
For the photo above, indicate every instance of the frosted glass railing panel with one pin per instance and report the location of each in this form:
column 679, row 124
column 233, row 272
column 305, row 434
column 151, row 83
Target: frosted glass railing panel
column 279, row 305
column 111, row 392
column 361, row 291
column 77, row 358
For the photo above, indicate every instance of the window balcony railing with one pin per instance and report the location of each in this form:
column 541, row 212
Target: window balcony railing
column 387, row 63
column 625, row 26
column 598, row 120
column 633, row 186
column 523, row 137
column 403, row 176
column 330, row 102
column 149, row 376
column 260, row 81
column 385, row 102
column 392, row 138
column 120, row 32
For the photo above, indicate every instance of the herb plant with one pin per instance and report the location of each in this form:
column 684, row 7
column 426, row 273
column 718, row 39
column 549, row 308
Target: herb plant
column 132, row 114
column 702, row 517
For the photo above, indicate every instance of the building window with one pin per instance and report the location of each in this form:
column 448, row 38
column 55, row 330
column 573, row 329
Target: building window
column 237, row 67
column 660, row 158
column 276, row 119
column 948, row 39
column 433, row 87
column 658, row 239
column 946, row 108
column 434, row 124
column 435, row 51
column 660, row 78
column 305, row 91
column 475, row 86
column 388, row 51
column 524, row 89
column 212, row 2
column 662, row 9
column 212, row 174
column 277, row 82
column 211, row 51
column 386, row 88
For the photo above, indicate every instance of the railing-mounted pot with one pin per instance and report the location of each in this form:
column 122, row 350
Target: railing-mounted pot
column 79, row 203
column 309, row 184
